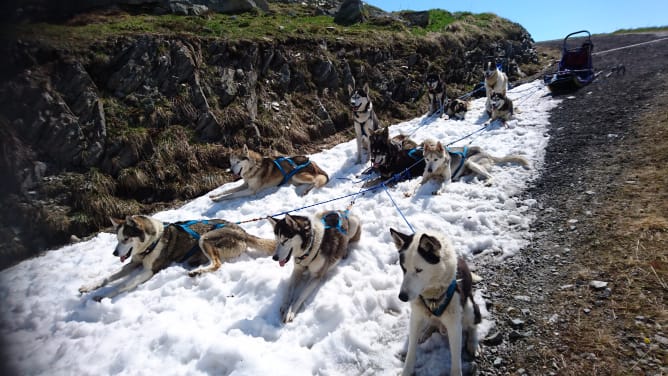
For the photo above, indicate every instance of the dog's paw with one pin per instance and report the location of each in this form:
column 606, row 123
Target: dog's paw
column 288, row 316
column 98, row 298
column 489, row 182
column 436, row 193
column 194, row 273
column 407, row 194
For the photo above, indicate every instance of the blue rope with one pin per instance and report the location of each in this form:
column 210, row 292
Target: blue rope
column 468, row 135
column 397, row 207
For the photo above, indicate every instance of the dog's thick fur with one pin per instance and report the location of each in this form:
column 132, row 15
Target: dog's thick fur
column 456, row 109
column 153, row 246
column 445, row 165
column 502, row 108
column 495, row 82
column 393, row 156
column 316, row 244
column 430, row 264
column 260, row 173
column 436, row 92
column 365, row 120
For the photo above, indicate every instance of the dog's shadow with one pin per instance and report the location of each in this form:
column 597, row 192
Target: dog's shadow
column 234, row 203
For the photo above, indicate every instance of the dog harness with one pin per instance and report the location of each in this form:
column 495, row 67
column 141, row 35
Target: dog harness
column 295, row 168
column 339, row 224
column 413, row 153
column 186, row 227
column 447, row 297
column 462, row 154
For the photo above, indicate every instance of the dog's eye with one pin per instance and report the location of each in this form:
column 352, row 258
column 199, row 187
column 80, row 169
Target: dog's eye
column 418, row 270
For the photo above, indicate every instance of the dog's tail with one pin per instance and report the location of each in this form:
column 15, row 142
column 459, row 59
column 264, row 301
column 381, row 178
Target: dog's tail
column 513, row 158
column 267, row 246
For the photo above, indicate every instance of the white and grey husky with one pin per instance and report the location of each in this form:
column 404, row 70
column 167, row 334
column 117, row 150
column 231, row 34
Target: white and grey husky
column 439, row 287
column 316, row 244
column 445, row 165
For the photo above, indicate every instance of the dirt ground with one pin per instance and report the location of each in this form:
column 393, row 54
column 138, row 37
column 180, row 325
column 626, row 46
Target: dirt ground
column 588, row 296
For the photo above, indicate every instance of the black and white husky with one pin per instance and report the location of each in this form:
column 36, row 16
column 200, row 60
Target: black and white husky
column 439, row 287
column 365, row 120
column 153, row 245
column 502, row 108
column 436, row 93
column 316, row 244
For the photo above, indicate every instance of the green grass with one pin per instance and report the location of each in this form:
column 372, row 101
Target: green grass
column 283, row 23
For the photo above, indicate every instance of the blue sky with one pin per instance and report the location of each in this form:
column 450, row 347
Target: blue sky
column 546, row 20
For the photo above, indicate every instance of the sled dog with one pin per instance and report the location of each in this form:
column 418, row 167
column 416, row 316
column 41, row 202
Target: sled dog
column 153, row 245
column 502, row 108
column 445, row 165
column 365, row 120
column 495, row 82
column 456, row 109
column 316, row 244
column 436, row 93
column 439, row 287
column 399, row 155
column 260, row 173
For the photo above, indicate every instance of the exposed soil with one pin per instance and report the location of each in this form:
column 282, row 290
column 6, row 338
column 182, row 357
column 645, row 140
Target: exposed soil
column 601, row 216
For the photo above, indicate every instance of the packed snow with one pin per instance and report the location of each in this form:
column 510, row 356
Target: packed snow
column 228, row 322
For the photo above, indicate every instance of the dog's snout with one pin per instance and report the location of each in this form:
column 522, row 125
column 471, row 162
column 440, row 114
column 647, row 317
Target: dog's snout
column 403, row 296
column 430, row 170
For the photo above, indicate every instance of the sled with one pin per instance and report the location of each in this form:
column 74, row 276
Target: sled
column 575, row 67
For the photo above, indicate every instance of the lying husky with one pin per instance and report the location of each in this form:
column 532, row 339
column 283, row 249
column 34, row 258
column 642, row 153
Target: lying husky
column 365, row 120
column 445, row 165
column 456, row 109
column 437, row 94
column 154, row 245
column 502, row 108
column 260, row 173
column 316, row 244
column 398, row 158
column 495, row 82
column 439, row 287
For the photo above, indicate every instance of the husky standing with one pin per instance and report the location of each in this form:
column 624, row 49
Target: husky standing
column 365, row 120
column 153, row 245
column 439, row 287
column 316, row 245
column 260, row 173
column 495, row 82
column 436, row 93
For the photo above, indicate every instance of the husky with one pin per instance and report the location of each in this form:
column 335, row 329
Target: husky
column 495, row 82
column 399, row 155
column 153, row 245
column 445, row 165
column 316, row 245
column 439, row 286
column 502, row 108
column 437, row 94
column 365, row 120
column 260, row 173
column 456, row 109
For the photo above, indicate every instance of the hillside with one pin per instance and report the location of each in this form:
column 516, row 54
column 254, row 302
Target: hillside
column 117, row 111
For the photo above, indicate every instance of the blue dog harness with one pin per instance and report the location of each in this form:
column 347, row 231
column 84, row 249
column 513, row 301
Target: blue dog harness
column 339, row 224
column 447, row 297
column 295, row 168
column 462, row 154
column 186, row 227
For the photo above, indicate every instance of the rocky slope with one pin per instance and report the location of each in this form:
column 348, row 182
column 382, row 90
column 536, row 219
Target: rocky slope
column 111, row 113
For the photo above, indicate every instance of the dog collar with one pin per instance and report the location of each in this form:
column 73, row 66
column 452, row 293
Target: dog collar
column 445, row 300
column 150, row 248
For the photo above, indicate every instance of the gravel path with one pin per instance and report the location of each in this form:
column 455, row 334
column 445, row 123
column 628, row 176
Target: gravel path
column 588, row 154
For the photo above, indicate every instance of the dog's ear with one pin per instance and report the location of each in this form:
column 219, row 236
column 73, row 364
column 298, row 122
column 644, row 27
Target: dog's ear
column 400, row 240
column 350, row 90
column 439, row 147
column 291, row 221
column 366, row 89
column 245, row 150
column 117, row 222
column 429, row 249
column 273, row 221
